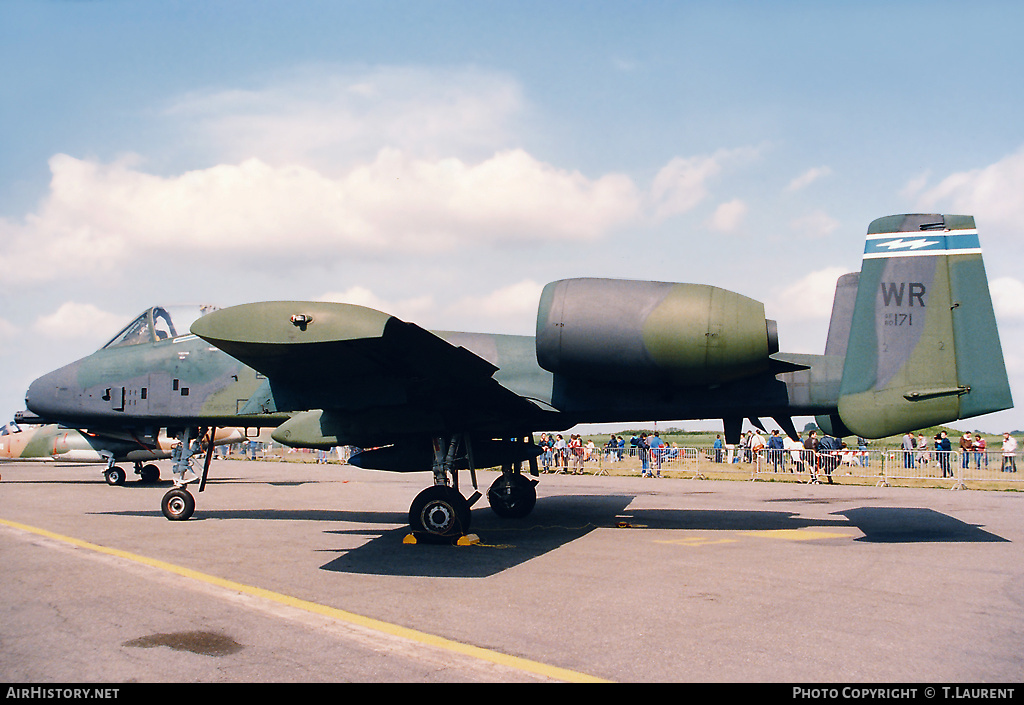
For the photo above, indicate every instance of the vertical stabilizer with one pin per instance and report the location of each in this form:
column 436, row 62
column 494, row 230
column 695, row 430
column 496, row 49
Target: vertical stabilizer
column 923, row 347
column 842, row 314
column 838, row 339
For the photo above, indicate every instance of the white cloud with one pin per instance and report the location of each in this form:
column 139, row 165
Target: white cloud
column 99, row 215
column 72, row 321
column 808, row 178
column 413, row 310
column 914, row 187
column 815, row 226
column 328, row 162
column 683, row 183
column 325, row 116
column 809, row 297
column 102, row 216
column 513, row 307
column 8, row 331
column 1007, row 298
column 728, row 216
column 992, row 194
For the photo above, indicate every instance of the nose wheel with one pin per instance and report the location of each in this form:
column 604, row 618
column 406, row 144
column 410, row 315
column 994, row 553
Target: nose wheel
column 178, row 504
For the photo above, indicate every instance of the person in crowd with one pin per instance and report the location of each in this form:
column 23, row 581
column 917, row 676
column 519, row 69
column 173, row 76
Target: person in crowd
column 966, row 446
column 611, row 449
column 862, row 451
column 909, row 445
column 795, row 448
column 644, row 450
column 575, row 450
column 943, row 447
column 756, row 447
column 980, row 452
column 560, row 450
column 545, row 455
column 775, row 446
column 829, row 448
column 811, row 456
column 922, row 450
column 656, row 449
column 1009, row 453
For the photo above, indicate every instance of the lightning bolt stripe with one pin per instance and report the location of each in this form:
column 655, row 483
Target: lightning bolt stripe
column 924, row 244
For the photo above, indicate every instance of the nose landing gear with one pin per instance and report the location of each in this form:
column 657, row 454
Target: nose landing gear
column 178, row 504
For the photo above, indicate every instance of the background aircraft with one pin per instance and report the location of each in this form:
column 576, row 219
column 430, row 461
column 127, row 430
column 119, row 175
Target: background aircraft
column 912, row 342
column 51, row 442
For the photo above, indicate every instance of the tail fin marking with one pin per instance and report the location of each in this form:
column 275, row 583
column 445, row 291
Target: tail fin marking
column 923, row 346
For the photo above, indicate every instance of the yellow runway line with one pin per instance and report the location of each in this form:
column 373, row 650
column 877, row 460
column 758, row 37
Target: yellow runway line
column 438, row 642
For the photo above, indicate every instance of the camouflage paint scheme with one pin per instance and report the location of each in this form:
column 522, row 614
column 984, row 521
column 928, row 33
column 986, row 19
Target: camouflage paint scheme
column 912, row 342
column 145, row 379
column 625, row 351
column 908, row 369
column 606, row 350
column 51, row 442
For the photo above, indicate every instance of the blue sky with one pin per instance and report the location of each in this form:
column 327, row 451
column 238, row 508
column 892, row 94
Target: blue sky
column 442, row 161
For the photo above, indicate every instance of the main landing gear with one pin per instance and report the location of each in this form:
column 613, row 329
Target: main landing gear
column 148, row 474
column 442, row 513
column 178, row 504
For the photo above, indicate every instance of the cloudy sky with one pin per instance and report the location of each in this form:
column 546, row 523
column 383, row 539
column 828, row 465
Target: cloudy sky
column 443, row 160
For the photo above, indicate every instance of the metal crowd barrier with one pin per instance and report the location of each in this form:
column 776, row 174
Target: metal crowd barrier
column 886, row 465
column 639, row 460
column 882, row 466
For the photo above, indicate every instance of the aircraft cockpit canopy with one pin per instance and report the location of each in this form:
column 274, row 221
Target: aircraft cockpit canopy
column 9, row 429
column 159, row 323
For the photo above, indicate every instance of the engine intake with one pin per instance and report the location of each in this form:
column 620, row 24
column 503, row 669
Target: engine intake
column 651, row 332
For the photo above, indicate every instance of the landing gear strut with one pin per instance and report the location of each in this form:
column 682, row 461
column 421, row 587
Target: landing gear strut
column 441, row 512
column 179, row 504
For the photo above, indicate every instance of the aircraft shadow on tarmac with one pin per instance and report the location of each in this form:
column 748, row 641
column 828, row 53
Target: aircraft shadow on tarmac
column 557, row 521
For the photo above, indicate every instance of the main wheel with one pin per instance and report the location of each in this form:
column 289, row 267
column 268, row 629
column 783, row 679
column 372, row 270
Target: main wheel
column 114, row 476
column 440, row 511
column 150, row 474
column 512, row 496
column 178, row 505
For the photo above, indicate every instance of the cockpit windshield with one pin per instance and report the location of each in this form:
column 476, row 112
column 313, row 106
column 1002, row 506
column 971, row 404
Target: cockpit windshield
column 159, row 323
column 9, row 429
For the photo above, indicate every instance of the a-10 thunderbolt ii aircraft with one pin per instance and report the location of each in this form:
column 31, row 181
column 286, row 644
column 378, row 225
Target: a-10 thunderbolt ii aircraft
column 52, row 442
column 912, row 343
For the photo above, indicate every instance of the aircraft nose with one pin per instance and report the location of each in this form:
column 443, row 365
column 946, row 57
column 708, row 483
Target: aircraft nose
column 50, row 396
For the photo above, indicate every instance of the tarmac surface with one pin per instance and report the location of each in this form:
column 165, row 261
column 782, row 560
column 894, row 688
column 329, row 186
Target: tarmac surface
column 295, row 573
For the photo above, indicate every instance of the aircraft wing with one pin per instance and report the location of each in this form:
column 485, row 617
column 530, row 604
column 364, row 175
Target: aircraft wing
column 363, row 372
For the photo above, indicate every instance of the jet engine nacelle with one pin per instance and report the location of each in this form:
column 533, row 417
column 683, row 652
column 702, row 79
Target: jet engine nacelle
column 650, row 332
